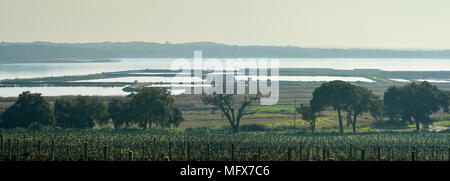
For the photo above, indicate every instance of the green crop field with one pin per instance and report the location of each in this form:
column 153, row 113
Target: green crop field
column 203, row 144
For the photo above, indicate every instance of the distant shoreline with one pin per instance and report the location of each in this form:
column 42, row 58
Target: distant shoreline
column 100, row 60
column 58, row 61
column 46, row 50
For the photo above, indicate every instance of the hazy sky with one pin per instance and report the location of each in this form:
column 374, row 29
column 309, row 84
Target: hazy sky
column 311, row 23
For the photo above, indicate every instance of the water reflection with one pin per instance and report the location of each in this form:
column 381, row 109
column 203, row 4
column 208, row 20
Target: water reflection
column 30, row 70
column 65, row 91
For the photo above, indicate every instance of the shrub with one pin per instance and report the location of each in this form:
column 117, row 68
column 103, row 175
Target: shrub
column 253, row 127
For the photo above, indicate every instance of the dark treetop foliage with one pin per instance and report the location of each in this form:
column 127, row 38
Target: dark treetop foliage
column 177, row 117
column 149, row 105
column 337, row 94
column 344, row 96
column 118, row 112
column 365, row 101
column 415, row 103
column 30, row 109
column 152, row 105
column 309, row 115
column 81, row 112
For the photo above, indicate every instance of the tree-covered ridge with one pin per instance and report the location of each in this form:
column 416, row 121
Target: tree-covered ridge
column 10, row 52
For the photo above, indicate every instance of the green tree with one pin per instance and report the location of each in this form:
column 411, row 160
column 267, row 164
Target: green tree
column 365, row 101
column 62, row 112
column 151, row 105
column 81, row 112
column 376, row 109
column 416, row 102
column 30, row 108
column 337, row 94
column 99, row 111
column 116, row 112
column 392, row 104
column 176, row 117
column 309, row 115
column 130, row 115
column 233, row 109
column 121, row 113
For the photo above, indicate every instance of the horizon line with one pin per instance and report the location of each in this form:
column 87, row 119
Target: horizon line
column 241, row 45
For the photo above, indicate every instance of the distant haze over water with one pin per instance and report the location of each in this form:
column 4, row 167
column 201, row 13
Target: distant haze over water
column 31, row 70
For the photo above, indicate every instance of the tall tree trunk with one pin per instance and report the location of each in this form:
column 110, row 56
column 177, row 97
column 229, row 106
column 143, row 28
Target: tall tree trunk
column 235, row 123
column 228, row 116
column 341, row 128
column 417, row 124
column 145, row 124
column 354, row 122
column 238, row 120
column 235, row 127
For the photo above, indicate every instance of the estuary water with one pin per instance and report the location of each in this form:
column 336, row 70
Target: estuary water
column 70, row 91
column 30, row 70
column 33, row 70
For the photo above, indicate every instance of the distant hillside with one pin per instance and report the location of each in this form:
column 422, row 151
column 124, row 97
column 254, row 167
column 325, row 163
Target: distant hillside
column 10, row 52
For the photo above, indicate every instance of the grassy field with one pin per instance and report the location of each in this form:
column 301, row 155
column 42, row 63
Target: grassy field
column 282, row 114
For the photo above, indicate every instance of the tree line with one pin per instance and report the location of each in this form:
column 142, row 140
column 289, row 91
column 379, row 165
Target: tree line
column 413, row 103
column 149, row 106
